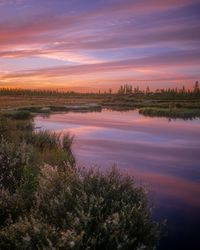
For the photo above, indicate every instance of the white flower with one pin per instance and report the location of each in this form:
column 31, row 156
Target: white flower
column 71, row 244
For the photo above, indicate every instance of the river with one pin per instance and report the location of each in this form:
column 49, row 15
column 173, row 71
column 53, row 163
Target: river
column 162, row 154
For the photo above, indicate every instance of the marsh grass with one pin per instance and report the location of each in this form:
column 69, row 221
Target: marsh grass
column 20, row 146
column 36, row 109
column 170, row 112
column 47, row 101
column 18, row 115
column 43, row 140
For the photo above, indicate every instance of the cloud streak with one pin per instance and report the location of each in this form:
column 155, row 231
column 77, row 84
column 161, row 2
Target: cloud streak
column 105, row 37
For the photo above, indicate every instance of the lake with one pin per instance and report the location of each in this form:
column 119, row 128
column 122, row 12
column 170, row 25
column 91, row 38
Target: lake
column 162, row 154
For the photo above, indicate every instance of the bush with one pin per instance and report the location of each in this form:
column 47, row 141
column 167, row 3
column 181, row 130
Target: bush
column 13, row 159
column 4, row 130
column 12, row 206
column 27, row 233
column 84, row 210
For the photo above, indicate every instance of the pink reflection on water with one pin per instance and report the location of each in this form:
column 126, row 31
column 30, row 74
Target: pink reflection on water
column 170, row 186
column 162, row 154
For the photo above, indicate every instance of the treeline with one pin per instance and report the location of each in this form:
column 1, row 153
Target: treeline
column 31, row 92
column 49, row 93
column 127, row 89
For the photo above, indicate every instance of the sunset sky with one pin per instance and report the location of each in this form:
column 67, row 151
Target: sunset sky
column 86, row 45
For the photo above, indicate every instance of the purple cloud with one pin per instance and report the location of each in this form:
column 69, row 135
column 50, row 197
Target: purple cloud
column 100, row 37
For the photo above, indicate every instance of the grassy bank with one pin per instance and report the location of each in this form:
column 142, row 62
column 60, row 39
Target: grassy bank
column 46, row 101
column 170, row 113
column 46, row 202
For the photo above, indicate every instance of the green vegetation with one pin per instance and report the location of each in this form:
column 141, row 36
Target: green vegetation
column 126, row 98
column 18, row 115
column 171, row 113
column 46, row 202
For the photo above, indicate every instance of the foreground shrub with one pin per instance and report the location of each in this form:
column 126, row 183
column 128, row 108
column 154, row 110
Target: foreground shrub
column 84, row 210
column 27, row 233
column 12, row 206
column 13, row 159
column 4, row 130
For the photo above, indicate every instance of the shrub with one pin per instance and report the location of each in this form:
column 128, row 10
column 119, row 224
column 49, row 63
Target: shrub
column 117, row 214
column 12, row 206
column 4, row 130
column 13, row 159
column 84, row 210
column 27, row 233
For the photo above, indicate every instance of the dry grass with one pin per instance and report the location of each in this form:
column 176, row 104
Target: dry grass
column 13, row 102
column 114, row 102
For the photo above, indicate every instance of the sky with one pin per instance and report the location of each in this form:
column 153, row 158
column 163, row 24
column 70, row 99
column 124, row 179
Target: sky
column 87, row 45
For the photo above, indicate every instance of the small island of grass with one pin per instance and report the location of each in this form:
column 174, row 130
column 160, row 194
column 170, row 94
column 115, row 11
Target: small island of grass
column 170, row 113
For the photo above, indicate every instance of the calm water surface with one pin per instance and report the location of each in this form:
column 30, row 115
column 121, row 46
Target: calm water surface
column 163, row 155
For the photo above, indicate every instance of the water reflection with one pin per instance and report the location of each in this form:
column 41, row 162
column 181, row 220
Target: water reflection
column 163, row 155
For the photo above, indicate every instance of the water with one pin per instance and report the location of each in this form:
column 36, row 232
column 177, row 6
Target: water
column 163, row 155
